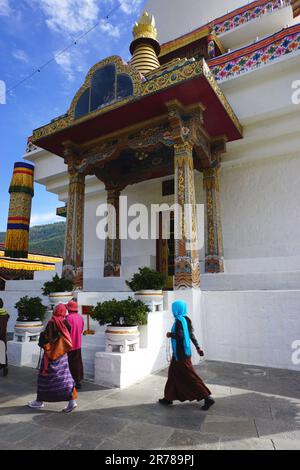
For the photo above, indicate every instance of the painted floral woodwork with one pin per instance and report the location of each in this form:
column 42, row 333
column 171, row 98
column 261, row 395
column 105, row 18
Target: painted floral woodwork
column 214, row 262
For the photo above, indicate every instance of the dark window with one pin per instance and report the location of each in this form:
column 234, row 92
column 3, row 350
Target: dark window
column 83, row 105
column 103, row 87
column 124, row 86
column 168, row 188
column 106, row 87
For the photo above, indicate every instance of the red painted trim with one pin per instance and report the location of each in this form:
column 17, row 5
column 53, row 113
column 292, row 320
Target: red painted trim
column 24, row 219
column 23, row 172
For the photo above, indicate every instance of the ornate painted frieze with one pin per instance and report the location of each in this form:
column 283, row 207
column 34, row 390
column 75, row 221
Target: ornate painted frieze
column 228, row 22
column 257, row 55
column 95, row 156
column 189, row 69
column 254, row 11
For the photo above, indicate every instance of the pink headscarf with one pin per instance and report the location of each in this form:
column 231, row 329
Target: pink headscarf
column 59, row 316
column 72, row 306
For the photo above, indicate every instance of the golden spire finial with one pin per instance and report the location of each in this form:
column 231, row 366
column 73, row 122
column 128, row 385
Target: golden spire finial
column 145, row 47
column 145, row 27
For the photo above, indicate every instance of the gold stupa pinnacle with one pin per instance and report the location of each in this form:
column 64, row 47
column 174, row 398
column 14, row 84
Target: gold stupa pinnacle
column 145, row 47
column 145, row 28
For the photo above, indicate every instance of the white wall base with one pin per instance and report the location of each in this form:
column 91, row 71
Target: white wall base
column 21, row 353
column 119, row 370
column 252, row 327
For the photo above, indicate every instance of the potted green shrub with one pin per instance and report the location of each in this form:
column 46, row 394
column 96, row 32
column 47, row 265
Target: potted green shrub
column 147, row 285
column 31, row 313
column 59, row 290
column 122, row 318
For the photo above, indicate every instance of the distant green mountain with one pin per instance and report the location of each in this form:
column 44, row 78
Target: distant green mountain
column 45, row 239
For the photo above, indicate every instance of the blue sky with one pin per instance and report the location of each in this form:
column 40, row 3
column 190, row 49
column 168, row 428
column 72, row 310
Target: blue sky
column 31, row 32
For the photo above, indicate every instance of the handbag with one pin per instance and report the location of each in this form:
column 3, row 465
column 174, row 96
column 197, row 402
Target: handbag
column 58, row 349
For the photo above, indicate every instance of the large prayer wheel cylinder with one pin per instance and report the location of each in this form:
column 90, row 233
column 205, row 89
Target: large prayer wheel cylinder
column 21, row 193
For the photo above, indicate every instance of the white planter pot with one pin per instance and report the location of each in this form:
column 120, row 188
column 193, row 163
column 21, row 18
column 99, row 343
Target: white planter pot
column 152, row 298
column 25, row 331
column 60, row 298
column 122, row 338
column 149, row 295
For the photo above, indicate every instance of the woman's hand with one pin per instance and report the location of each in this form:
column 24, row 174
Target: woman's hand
column 200, row 352
column 168, row 335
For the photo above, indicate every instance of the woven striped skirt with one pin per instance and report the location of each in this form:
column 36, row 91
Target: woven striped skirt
column 57, row 385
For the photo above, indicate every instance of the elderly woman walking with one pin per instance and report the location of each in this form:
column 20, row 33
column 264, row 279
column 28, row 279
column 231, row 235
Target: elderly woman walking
column 55, row 382
column 183, row 382
column 4, row 317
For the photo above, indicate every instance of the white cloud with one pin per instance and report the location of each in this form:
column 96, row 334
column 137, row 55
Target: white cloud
column 109, row 29
column 71, row 62
column 65, row 62
column 5, row 9
column 44, row 218
column 131, row 6
column 73, row 16
column 21, row 55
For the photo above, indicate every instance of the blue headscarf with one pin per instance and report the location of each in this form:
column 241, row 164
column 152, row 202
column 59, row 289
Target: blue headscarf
column 179, row 309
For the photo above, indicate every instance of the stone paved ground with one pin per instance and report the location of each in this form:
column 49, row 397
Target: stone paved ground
column 256, row 408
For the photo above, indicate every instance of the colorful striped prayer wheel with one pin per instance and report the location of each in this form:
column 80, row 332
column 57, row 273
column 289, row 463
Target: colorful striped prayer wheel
column 21, row 193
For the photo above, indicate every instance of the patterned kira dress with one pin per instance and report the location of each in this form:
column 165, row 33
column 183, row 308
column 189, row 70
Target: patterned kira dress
column 55, row 382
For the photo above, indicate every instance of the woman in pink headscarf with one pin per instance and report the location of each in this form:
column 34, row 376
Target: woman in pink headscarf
column 76, row 323
column 55, row 382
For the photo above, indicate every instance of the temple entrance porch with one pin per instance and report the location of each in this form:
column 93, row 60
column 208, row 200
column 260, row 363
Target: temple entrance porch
column 173, row 152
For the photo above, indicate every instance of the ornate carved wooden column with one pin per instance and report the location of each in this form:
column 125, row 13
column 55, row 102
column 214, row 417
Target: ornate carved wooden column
column 214, row 262
column 187, row 265
column 73, row 255
column 112, row 258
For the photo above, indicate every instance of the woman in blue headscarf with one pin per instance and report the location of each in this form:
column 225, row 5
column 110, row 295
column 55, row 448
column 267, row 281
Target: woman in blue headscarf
column 183, row 382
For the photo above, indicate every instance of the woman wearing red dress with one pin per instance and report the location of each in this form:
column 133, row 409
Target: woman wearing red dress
column 183, row 383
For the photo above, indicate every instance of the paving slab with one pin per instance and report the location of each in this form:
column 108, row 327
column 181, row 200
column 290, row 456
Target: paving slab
column 140, row 436
column 256, row 409
column 247, row 444
column 186, row 440
column 278, row 429
column 286, row 444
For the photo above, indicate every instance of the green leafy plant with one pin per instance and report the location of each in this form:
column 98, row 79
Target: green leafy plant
column 114, row 312
column 58, row 284
column 30, row 309
column 146, row 279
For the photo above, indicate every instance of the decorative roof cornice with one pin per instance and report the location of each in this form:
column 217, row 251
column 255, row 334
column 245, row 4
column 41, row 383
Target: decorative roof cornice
column 256, row 55
column 225, row 23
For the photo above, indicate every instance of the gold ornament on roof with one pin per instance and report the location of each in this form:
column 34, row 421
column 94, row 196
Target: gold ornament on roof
column 145, row 47
column 145, row 27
